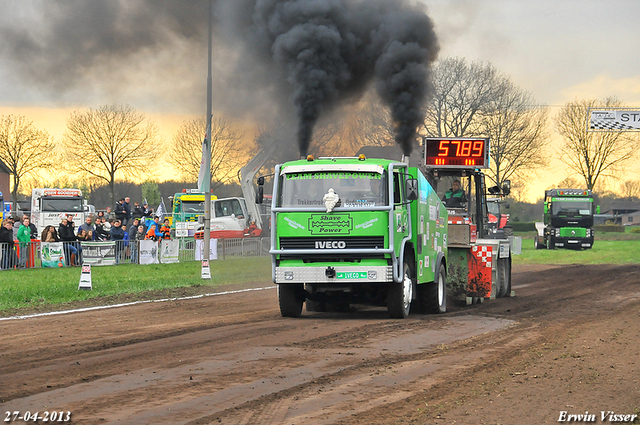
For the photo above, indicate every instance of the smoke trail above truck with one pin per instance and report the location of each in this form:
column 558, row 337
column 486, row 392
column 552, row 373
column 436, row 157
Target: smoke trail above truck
column 329, row 51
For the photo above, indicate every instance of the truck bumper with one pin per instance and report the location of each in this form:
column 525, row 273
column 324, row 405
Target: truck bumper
column 338, row 275
column 572, row 243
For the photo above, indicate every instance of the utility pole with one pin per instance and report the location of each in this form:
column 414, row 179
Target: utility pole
column 207, row 179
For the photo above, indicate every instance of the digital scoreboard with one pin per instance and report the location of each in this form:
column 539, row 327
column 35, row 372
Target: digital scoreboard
column 468, row 153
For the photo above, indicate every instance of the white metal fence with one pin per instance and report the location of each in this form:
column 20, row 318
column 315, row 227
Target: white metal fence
column 64, row 254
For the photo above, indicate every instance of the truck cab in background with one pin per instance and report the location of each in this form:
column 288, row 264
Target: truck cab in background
column 49, row 206
column 568, row 220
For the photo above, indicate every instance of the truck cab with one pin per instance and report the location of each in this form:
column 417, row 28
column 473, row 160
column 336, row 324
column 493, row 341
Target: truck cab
column 568, row 220
column 356, row 230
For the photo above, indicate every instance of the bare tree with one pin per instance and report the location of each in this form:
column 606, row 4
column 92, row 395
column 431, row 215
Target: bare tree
column 475, row 100
column 631, row 189
column 462, row 91
column 110, row 141
column 227, row 152
column 518, row 132
column 24, row 149
column 592, row 154
column 569, row 182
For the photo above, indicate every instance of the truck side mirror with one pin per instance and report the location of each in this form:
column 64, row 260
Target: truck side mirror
column 412, row 189
column 506, row 187
column 261, row 181
column 546, row 208
column 260, row 195
column 598, row 209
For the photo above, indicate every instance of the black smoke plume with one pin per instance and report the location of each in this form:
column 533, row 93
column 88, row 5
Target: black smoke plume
column 330, row 50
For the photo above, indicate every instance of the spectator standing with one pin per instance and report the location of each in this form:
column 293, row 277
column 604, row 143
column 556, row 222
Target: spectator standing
column 135, row 242
column 34, row 229
column 16, row 226
column 146, row 210
column 9, row 258
column 151, row 234
column 127, row 210
column 102, row 231
column 87, row 227
column 117, row 235
column 69, row 238
column 120, row 212
column 133, row 228
column 24, row 238
column 165, row 230
column 137, row 212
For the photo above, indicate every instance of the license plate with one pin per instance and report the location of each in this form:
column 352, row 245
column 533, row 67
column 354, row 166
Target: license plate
column 351, row 275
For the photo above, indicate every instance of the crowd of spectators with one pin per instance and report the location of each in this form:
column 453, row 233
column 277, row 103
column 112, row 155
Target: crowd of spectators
column 122, row 224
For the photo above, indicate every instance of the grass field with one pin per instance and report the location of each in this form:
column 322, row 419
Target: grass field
column 35, row 288
column 608, row 248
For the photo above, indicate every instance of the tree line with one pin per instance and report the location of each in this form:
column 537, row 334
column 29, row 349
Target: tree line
column 473, row 99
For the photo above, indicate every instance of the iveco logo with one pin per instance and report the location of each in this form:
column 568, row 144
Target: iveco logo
column 331, row 244
column 573, row 233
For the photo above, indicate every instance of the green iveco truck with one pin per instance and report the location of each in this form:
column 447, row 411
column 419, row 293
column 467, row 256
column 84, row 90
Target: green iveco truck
column 568, row 220
column 357, row 230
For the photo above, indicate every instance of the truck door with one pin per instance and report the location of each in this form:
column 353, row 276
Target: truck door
column 400, row 214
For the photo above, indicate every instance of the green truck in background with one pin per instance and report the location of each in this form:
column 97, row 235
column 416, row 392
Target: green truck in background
column 357, row 230
column 568, row 220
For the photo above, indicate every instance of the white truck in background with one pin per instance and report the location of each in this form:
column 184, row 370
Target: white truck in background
column 49, row 206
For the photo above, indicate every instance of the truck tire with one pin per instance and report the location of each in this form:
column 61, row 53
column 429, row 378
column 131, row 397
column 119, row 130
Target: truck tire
column 290, row 299
column 508, row 231
column 434, row 295
column 399, row 295
column 504, row 269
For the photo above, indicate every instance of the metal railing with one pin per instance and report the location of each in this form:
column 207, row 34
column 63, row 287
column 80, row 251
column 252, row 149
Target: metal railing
column 36, row 254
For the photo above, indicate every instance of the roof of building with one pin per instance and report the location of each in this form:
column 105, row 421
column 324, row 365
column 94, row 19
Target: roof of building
column 4, row 168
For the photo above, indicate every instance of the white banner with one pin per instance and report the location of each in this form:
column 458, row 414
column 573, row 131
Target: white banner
column 99, row 253
column 53, row 254
column 148, row 252
column 614, row 119
column 213, row 251
column 169, row 251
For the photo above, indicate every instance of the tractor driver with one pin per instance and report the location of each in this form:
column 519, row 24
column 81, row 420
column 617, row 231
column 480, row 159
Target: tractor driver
column 454, row 197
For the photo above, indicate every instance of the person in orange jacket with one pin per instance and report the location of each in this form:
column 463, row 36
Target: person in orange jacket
column 166, row 229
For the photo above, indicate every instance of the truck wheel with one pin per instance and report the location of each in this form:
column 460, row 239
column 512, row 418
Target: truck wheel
column 508, row 231
column 399, row 295
column 504, row 269
column 434, row 295
column 538, row 243
column 290, row 298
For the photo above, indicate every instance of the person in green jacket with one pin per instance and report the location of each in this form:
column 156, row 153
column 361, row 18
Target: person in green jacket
column 454, row 197
column 24, row 238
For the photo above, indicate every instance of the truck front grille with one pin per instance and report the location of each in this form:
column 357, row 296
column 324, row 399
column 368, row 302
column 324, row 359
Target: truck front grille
column 320, row 244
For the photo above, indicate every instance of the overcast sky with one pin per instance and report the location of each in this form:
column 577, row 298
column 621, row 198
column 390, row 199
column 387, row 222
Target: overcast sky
column 53, row 55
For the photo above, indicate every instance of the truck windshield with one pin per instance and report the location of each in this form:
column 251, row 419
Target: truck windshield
column 62, row 205
column 493, row 207
column 571, row 208
column 193, row 207
column 355, row 189
column 227, row 207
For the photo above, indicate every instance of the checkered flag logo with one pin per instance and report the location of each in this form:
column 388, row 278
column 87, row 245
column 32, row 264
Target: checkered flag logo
column 86, row 269
column 609, row 125
column 484, row 254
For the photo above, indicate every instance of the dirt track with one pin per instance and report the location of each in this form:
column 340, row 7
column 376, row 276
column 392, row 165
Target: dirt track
column 569, row 341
